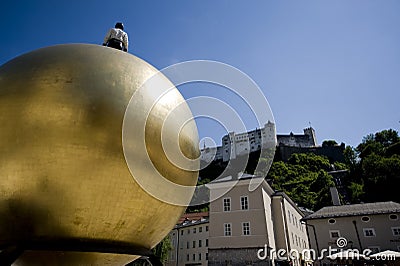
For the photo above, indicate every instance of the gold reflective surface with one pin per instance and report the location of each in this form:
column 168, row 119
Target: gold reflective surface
column 63, row 174
column 72, row 258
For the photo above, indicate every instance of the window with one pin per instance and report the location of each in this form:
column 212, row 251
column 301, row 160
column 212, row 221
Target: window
column 227, row 204
column 194, row 230
column 182, row 233
column 206, row 228
column 188, row 231
column 227, row 229
column 369, row 232
column 396, row 231
column 206, row 242
column 246, row 228
column 187, row 257
column 331, row 221
column 289, row 216
column 187, row 244
column 365, row 219
column 194, row 244
column 199, row 256
column 200, row 229
column 200, row 244
column 194, row 257
column 334, row 233
column 244, row 203
column 393, row 217
column 207, row 256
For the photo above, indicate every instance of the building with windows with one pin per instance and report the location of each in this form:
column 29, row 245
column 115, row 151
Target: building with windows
column 290, row 233
column 238, row 144
column 242, row 225
column 189, row 241
column 374, row 226
column 243, row 222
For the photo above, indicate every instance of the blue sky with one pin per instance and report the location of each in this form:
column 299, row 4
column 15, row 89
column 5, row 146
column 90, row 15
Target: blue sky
column 335, row 64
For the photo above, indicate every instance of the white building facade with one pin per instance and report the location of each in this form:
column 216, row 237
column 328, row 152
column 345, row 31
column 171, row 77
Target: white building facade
column 189, row 241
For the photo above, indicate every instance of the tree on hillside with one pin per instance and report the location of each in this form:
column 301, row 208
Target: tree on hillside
column 310, row 161
column 350, row 157
column 377, row 143
column 375, row 168
column 329, row 143
column 305, row 179
column 387, row 137
column 381, row 177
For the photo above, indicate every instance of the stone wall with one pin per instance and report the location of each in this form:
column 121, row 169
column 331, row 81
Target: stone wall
column 235, row 257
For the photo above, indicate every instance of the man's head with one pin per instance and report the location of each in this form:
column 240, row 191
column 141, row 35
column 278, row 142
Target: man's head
column 119, row 25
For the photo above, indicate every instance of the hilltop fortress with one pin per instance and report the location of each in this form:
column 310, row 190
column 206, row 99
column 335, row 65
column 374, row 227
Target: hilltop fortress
column 237, row 144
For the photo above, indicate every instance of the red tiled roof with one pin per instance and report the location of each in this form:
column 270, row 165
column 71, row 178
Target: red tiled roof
column 193, row 216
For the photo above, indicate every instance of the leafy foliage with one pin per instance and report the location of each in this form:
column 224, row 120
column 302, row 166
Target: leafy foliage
column 329, row 143
column 304, row 178
column 161, row 251
column 375, row 167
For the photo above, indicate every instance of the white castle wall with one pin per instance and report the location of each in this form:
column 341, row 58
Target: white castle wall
column 234, row 144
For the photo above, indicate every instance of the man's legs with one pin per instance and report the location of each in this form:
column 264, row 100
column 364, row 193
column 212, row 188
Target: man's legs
column 114, row 44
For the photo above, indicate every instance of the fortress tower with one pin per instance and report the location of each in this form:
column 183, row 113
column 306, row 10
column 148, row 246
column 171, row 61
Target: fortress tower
column 311, row 133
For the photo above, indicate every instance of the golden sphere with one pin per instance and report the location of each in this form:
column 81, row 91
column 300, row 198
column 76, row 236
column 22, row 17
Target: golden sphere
column 63, row 172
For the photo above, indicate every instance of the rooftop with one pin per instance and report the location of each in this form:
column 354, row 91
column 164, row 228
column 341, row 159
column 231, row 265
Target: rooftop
column 191, row 223
column 239, row 176
column 355, row 210
column 195, row 216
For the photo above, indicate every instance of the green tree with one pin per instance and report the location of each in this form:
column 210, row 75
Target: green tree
column 310, row 161
column 350, row 157
column 387, row 137
column 375, row 172
column 321, row 186
column 377, row 143
column 356, row 191
column 329, row 143
column 305, row 179
column 381, row 177
column 162, row 249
